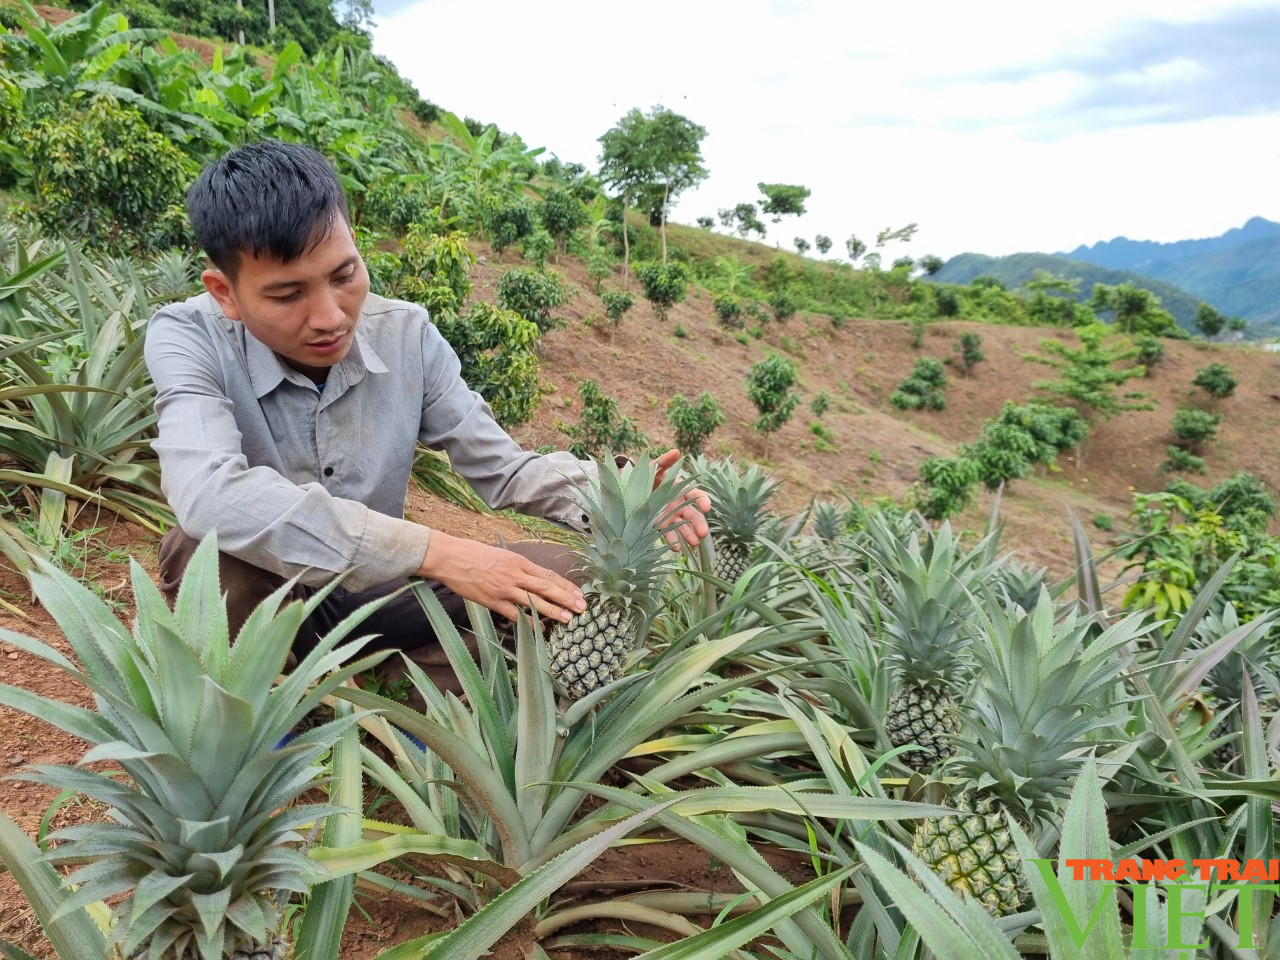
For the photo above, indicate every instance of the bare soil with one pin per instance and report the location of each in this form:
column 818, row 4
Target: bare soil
column 876, row 451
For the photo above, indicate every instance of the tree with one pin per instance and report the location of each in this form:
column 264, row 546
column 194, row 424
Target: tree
column 855, row 247
column 602, row 429
column 823, row 244
column 706, row 223
column 1209, row 321
column 904, row 234
column 1089, row 377
column 664, row 284
column 693, row 423
column 970, row 350
column 1194, row 427
column 1216, row 380
column 626, row 165
column 769, row 386
column 1237, row 324
column 931, row 264
column 659, row 155
column 1136, row 310
column 562, row 216
column 923, row 389
column 783, row 199
column 356, row 15
column 743, row 219
column 802, row 245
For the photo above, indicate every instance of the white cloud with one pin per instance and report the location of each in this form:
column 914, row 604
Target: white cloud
column 974, row 120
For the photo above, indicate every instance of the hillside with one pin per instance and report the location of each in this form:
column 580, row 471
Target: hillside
column 1016, row 269
column 878, row 449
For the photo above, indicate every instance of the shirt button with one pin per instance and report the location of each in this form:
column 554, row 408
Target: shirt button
column 328, row 471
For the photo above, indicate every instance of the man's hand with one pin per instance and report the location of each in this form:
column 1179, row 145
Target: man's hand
column 686, row 517
column 501, row 580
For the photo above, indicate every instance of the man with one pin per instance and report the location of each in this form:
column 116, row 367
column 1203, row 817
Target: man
column 289, row 401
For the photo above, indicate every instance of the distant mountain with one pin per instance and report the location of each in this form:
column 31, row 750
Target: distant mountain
column 1018, row 268
column 1238, row 272
column 1141, row 255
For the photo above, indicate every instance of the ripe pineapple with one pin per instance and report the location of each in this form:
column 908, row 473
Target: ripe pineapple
column 1044, row 693
column 740, row 515
column 623, row 564
column 203, row 835
column 927, row 602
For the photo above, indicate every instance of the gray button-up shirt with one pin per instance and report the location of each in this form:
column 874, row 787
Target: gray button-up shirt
column 308, row 482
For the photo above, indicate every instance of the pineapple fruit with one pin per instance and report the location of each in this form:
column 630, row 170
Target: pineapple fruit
column 622, row 565
column 1046, row 693
column 202, row 837
column 927, row 584
column 741, row 500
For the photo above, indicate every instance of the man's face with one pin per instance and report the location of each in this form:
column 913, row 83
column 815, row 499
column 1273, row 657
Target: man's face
column 306, row 310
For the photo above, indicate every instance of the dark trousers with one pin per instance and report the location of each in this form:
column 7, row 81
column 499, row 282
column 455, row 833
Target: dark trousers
column 401, row 623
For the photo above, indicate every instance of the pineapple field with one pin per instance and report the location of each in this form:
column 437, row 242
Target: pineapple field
column 978, row 661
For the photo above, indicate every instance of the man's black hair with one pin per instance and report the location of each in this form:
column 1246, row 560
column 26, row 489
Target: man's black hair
column 270, row 198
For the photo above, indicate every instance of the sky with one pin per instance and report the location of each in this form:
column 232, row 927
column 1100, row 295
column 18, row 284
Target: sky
column 998, row 126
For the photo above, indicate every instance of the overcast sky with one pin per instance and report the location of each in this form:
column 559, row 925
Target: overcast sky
column 997, row 125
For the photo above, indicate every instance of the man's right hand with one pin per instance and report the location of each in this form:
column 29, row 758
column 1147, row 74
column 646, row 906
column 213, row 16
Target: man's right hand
column 501, row 580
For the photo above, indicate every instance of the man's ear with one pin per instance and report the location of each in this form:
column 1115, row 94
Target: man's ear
column 216, row 282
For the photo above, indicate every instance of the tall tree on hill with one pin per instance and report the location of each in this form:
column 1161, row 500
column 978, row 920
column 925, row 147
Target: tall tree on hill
column 657, row 155
column 1136, row 310
column 1209, row 321
column 783, row 199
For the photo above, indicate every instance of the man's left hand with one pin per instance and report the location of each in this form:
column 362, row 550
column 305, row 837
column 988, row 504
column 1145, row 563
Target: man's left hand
column 686, row 516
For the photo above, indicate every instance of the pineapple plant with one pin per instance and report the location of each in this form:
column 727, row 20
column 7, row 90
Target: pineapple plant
column 927, row 589
column 621, row 567
column 1225, row 679
column 740, row 516
column 1021, row 584
column 1046, row 696
column 202, row 837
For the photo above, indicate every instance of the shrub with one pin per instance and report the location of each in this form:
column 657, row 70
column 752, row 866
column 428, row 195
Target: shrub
column 533, row 295
column 1022, row 436
column 1216, row 380
column 507, row 221
column 728, row 311
column 820, row 404
column 769, row 388
column 1193, row 427
column 562, row 215
column 599, row 268
column 664, row 284
column 946, row 300
column 946, row 486
column 1102, row 521
column 1150, row 351
column 496, row 347
column 693, row 423
column 602, row 429
column 917, row 325
column 970, row 350
column 1183, row 461
column 617, row 303
column 537, row 247
column 923, row 389
column 103, row 177
column 783, row 304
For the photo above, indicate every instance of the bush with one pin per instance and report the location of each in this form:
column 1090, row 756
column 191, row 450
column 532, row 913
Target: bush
column 970, row 350
column 617, row 303
column 1183, row 461
column 946, row 300
column 533, row 295
column 104, row 178
column 507, row 221
column 1022, row 436
column 1216, row 380
column 1150, row 351
column 664, row 285
column 496, row 347
column 783, row 304
column 946, row 486
column 693, row 423
column 537, row 247
column 820, row 404
column 562, row 215
column 1102, row 521
column 923, row 389
column 769, row 388
column 728, row 311
column 599, row 268
column 602, row 429
column 1193, row 427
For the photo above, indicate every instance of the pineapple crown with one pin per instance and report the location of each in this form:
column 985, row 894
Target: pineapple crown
column 625, row 557
column 1043, row 694
column 203, row 832
column 740, row 497
column 1225, row 679
column 929, row 585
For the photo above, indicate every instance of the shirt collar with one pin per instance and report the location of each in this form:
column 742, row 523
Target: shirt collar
column 267, row 370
